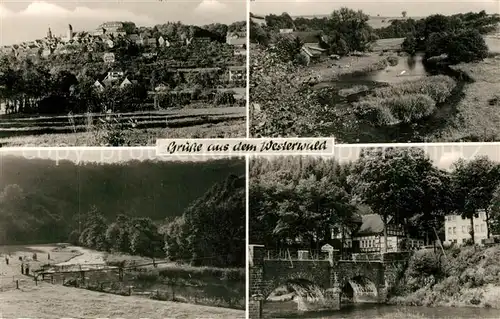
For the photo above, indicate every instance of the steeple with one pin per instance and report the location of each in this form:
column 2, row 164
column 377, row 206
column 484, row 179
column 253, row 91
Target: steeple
column 70, row 32
column 49, row 34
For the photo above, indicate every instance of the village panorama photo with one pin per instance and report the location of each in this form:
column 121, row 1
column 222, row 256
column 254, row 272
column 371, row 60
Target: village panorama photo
column 375, row 72
column 376, row 232
column 121, row 233
column 121, row 73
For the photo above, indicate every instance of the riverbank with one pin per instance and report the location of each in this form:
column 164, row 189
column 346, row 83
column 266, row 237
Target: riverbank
column 332, row 70
column 462, row 277
column 477, row 118
column 168, row 281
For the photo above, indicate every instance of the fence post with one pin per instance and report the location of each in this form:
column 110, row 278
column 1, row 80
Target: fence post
column 36, row 280
column 130, row 290
column 17, row 284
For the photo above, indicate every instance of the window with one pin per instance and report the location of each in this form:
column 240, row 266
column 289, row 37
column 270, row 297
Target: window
column 483, row 228
column 449, row 230
column 454, row 230
column 476, row 228
column 463, row 230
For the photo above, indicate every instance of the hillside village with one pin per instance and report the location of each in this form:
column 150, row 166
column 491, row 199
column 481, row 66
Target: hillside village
column 188, row 62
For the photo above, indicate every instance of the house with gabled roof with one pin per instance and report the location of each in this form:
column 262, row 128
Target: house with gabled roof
column 367, row 234
column 126, row 82
column 236, row 39
column 314, row 43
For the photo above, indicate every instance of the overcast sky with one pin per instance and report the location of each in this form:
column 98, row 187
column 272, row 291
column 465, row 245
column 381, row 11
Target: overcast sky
column 100, row 155
column 28, row 20
column 443, row 155
column 374, row 7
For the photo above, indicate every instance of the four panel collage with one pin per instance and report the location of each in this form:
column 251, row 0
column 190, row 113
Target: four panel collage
column 398, row 219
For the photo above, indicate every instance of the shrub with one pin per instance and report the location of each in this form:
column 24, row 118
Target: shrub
column 224, row 98
column 424, row 263
column 393, row 60
column 408, row 108
column 373, row 112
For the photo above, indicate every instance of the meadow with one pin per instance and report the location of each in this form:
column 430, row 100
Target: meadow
column 167, row 281
column 125, row 129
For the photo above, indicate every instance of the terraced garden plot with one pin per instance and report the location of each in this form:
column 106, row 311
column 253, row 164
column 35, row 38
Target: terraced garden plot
column 142, row 128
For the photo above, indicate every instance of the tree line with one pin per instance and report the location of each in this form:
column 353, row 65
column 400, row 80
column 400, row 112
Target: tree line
column 459, row 36
column 345, row 31
column 211, row 231
column 41, row 201
column 297, row 201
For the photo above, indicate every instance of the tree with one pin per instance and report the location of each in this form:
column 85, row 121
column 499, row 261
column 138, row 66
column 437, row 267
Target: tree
column 466, row 46
column 287, row 48
column 145, row 239
column 351, row 26
column 474, row 183
column 494, row 223
column 409, row 44
column 404, row 14
column 296, row 201
column 215, row 226
column 94, row 230
column 390, row 181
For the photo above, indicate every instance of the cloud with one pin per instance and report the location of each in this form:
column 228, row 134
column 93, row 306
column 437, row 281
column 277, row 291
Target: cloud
column 33, row 21
column 210, row 11
column 211, row 6
column 448, row 158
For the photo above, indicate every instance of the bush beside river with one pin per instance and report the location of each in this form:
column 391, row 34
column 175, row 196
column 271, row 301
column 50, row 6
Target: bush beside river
column 465, row 277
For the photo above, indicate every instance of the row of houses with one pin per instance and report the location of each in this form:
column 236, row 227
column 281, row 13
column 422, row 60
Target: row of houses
column 235, row 75
column 107, row 35
column 368, row 234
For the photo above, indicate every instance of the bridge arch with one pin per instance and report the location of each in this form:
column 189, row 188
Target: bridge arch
column 359, row 289
column 301, row 279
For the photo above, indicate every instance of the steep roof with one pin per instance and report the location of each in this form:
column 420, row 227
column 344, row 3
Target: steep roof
column 308, row 36
column 371, row 224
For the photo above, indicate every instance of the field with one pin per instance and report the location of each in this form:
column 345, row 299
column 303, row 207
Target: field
column 140, row 128
column 193, row 288
column 54, row 301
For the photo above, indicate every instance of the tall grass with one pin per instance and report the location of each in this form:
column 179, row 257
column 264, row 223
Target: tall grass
column 438, row 87
column 405, row 102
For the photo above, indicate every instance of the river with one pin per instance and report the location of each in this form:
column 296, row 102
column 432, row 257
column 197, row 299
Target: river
column 374, row 311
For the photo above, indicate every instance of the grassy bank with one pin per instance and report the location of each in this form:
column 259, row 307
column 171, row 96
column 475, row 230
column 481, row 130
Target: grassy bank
column 168, row 281
column 406, row 101
column 477, row 116
column 466, row 277
column 55, row 301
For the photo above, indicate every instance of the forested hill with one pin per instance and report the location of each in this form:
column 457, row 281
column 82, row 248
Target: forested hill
column 40, row 199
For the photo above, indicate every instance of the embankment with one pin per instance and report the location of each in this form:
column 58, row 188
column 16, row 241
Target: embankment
column 459, row 277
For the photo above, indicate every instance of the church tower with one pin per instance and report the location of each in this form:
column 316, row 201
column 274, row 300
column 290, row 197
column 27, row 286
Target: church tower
column 49, row 34
column 70, row 32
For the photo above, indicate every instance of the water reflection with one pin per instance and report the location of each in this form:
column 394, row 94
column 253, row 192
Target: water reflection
column 408, row 68
column 374, row 311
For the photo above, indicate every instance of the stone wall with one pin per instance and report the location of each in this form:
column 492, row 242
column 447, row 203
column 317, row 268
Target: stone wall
column 329, row 275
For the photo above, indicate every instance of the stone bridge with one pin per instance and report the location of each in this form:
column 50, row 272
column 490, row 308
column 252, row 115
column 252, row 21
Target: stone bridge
column 326, row 271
